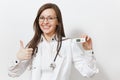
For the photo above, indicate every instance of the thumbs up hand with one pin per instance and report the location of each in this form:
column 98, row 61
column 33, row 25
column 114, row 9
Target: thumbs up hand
column 24, row 53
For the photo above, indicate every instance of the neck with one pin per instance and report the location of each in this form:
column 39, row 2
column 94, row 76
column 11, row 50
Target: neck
column 48, row 36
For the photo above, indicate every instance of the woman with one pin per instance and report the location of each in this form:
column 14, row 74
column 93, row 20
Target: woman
column 49, row 54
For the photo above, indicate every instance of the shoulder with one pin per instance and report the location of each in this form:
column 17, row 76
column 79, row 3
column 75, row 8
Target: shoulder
column 65, row 39
column 69, row 42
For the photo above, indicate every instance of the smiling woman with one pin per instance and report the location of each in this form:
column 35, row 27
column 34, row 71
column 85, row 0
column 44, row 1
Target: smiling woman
column 50, row 54
column 48, row 22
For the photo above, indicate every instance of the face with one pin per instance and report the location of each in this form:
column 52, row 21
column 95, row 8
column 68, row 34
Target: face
column 48, row 21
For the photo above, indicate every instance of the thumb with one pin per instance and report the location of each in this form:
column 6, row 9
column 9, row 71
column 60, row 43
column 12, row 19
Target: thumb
column 21, row 44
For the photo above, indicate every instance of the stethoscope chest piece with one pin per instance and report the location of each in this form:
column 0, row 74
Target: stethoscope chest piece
column 53, row 65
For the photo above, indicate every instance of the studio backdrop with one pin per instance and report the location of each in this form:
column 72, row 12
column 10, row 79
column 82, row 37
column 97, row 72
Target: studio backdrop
column 100, row 19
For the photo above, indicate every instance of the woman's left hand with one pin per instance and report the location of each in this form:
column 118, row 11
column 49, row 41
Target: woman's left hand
column 87, row 45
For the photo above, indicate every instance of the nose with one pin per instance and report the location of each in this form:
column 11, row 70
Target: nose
column 45, row 20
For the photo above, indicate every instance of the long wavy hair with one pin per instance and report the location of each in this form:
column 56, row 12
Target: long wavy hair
column 59, row 29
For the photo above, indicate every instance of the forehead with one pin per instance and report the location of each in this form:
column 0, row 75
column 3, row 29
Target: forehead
column 48, row 12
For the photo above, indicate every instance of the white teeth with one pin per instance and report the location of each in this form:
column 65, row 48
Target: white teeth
column 46, row 27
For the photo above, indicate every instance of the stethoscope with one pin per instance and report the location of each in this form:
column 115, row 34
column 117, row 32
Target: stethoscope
column 52, row 64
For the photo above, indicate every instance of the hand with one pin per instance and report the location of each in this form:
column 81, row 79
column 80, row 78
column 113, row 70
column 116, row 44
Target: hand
column 88, row 44
column 24, row 53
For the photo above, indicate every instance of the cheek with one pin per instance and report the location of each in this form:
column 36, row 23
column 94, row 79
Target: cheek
column 40, row 24
column 55, row 23
column 54, row 27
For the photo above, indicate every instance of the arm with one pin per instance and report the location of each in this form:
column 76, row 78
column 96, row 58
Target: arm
column 17, row 67
column 23, row 59
column 84, row 63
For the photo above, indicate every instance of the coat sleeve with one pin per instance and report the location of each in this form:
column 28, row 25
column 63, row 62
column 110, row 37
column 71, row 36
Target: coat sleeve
column 85, row 63
column 17, row 67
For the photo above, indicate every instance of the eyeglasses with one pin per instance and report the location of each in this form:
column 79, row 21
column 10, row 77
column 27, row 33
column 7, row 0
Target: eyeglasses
column 49, row 19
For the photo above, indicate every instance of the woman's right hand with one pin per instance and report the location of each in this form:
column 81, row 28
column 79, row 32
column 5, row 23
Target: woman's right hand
column 24, row 53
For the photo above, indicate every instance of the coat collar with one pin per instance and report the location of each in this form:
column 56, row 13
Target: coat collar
column 53, row 38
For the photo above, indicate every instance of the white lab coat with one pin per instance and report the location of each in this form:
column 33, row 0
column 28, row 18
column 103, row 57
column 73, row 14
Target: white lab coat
column 70, row 54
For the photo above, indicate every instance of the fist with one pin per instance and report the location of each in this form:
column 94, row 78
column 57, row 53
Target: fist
column 88, row 44
column 24, row 53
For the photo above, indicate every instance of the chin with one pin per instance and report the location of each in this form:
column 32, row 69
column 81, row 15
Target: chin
column 46, row 32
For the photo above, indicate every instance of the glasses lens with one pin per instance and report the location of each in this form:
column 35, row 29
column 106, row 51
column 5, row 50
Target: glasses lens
column 49, row 19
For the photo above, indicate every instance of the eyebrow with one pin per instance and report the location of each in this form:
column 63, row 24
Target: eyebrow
column 46, row 16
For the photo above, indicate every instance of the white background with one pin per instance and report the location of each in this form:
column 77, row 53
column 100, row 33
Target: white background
column 100, row 19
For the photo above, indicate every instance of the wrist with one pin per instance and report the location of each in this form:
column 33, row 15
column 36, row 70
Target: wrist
column 89, row 51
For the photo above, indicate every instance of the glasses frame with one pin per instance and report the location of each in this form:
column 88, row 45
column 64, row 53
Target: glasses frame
column 49, row 18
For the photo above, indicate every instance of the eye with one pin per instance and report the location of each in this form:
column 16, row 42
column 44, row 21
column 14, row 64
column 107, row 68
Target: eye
column 50, row 18
column 41, row 18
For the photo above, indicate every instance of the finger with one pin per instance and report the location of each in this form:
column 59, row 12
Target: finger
column 29, row 49
column 28, row 56
column 21, row 44
column 84, row 36
column 87, row 38
column 29, row 52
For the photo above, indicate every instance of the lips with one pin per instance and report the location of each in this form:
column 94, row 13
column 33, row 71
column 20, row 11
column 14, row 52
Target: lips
column 46, row 27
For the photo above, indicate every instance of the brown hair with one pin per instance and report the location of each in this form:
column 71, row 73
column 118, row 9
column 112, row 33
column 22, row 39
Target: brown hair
column 59, row 31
